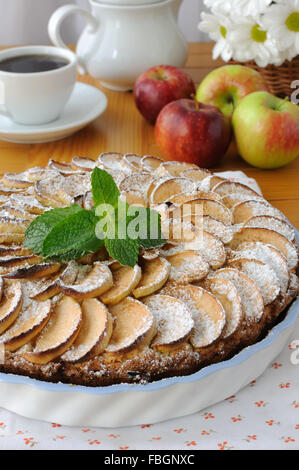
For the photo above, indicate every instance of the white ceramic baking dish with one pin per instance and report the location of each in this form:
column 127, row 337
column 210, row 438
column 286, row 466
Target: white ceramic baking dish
column 126, row 405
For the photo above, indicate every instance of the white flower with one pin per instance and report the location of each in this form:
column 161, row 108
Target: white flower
column 282, row 22
column 239, row 7
column 219, row 6
column 288, row 54
column 217, row 26
column 250, row 7
column 251, row 42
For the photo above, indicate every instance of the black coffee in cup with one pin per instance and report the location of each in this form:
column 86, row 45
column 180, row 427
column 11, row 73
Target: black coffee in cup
column 32, row 63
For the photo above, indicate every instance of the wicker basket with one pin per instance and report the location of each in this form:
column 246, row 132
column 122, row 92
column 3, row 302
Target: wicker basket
column 279, row 79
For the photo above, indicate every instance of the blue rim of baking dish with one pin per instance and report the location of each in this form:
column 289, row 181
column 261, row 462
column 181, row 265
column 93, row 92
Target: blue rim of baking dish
column 242, row 356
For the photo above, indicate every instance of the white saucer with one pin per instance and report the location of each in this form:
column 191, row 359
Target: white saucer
column 85, row 105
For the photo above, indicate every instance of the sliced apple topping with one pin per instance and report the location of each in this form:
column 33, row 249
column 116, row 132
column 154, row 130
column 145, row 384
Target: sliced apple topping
column 73, row 186
column 65, row 169
column 134, row 327
column 150, row 189
column 118, row 175
column 217, row 228
column 171, row 186
column 174, row 322
column 11, row 304
column 207, row 312
column 196, row 174
column 225, row 188
column 59, row 333
column 213, row 250
column 83, row 164
column 125, row 279
column 47, row 288
column 174, row 168
column 13, row 249
column 233, row 199
column 9, row 261
column 155, row 273
column 113, row 161
column 182, row 198
column 38, row 173
column 269, row 237
column 272, row 223
column 212, row 208
column 150, row 163
column 247, row 209
column 13, row 224
column 270, row 256
column 228, row 296
column 17, row 180
column 31, row 320
column 34, row 272
column 187, row 266
column 133, row 161
column 8, row 237
column 95, row 283
column 4, row 199
column 134, row 198
column 6, row 191
column 94, row 335
column 29, row 203
column 249, row 292
column 88, row 202
column 46, row 191
column 211, row 181
column 14, row 210
column 136, row 182
column 262, row 274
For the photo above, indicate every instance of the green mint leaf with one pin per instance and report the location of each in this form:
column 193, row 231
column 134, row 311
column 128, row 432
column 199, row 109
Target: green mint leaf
column 43, row 224
column 104, row 189
column 125, row 251
column 154, row 233
column 73, row 237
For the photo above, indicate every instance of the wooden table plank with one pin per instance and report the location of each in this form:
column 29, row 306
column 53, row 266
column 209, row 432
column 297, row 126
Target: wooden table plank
column 122, row 129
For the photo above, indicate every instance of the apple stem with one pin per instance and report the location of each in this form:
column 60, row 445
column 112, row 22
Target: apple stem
column 196, row 103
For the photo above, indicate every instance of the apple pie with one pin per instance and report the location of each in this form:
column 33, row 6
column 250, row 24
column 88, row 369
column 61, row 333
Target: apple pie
column 196, row 300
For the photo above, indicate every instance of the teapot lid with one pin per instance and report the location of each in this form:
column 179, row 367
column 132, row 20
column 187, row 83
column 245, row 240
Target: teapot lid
column 130, row 2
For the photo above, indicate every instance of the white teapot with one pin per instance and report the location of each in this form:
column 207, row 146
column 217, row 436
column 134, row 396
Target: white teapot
column 124, row 38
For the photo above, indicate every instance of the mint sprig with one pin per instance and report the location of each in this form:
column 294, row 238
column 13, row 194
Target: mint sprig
column 72, row 232
column 73, row 237
column 104, row 189
column 44, row 224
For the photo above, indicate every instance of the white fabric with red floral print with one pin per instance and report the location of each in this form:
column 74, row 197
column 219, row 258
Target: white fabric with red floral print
column 264, row 415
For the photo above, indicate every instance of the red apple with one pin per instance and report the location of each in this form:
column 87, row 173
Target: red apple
column 158, row 86
column 193, row 132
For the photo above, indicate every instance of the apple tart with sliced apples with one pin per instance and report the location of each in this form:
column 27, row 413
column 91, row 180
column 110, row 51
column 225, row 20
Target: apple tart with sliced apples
column 190, row 300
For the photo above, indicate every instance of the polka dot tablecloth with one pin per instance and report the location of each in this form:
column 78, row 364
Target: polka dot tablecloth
column 264, row 415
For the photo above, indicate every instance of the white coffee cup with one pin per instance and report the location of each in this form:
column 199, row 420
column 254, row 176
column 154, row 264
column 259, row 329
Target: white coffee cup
column 37, row 98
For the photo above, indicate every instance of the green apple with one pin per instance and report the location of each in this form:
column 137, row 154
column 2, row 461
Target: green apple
column 226, row 86
column 266, row 130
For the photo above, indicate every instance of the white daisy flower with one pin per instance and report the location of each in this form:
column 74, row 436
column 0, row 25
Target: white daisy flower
column 221, row 6
column 217, row 26
column 252, row 42
column 250, row 7
column 282, row 22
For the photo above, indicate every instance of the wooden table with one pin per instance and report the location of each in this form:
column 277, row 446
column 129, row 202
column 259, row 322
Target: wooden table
column 122, row 129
